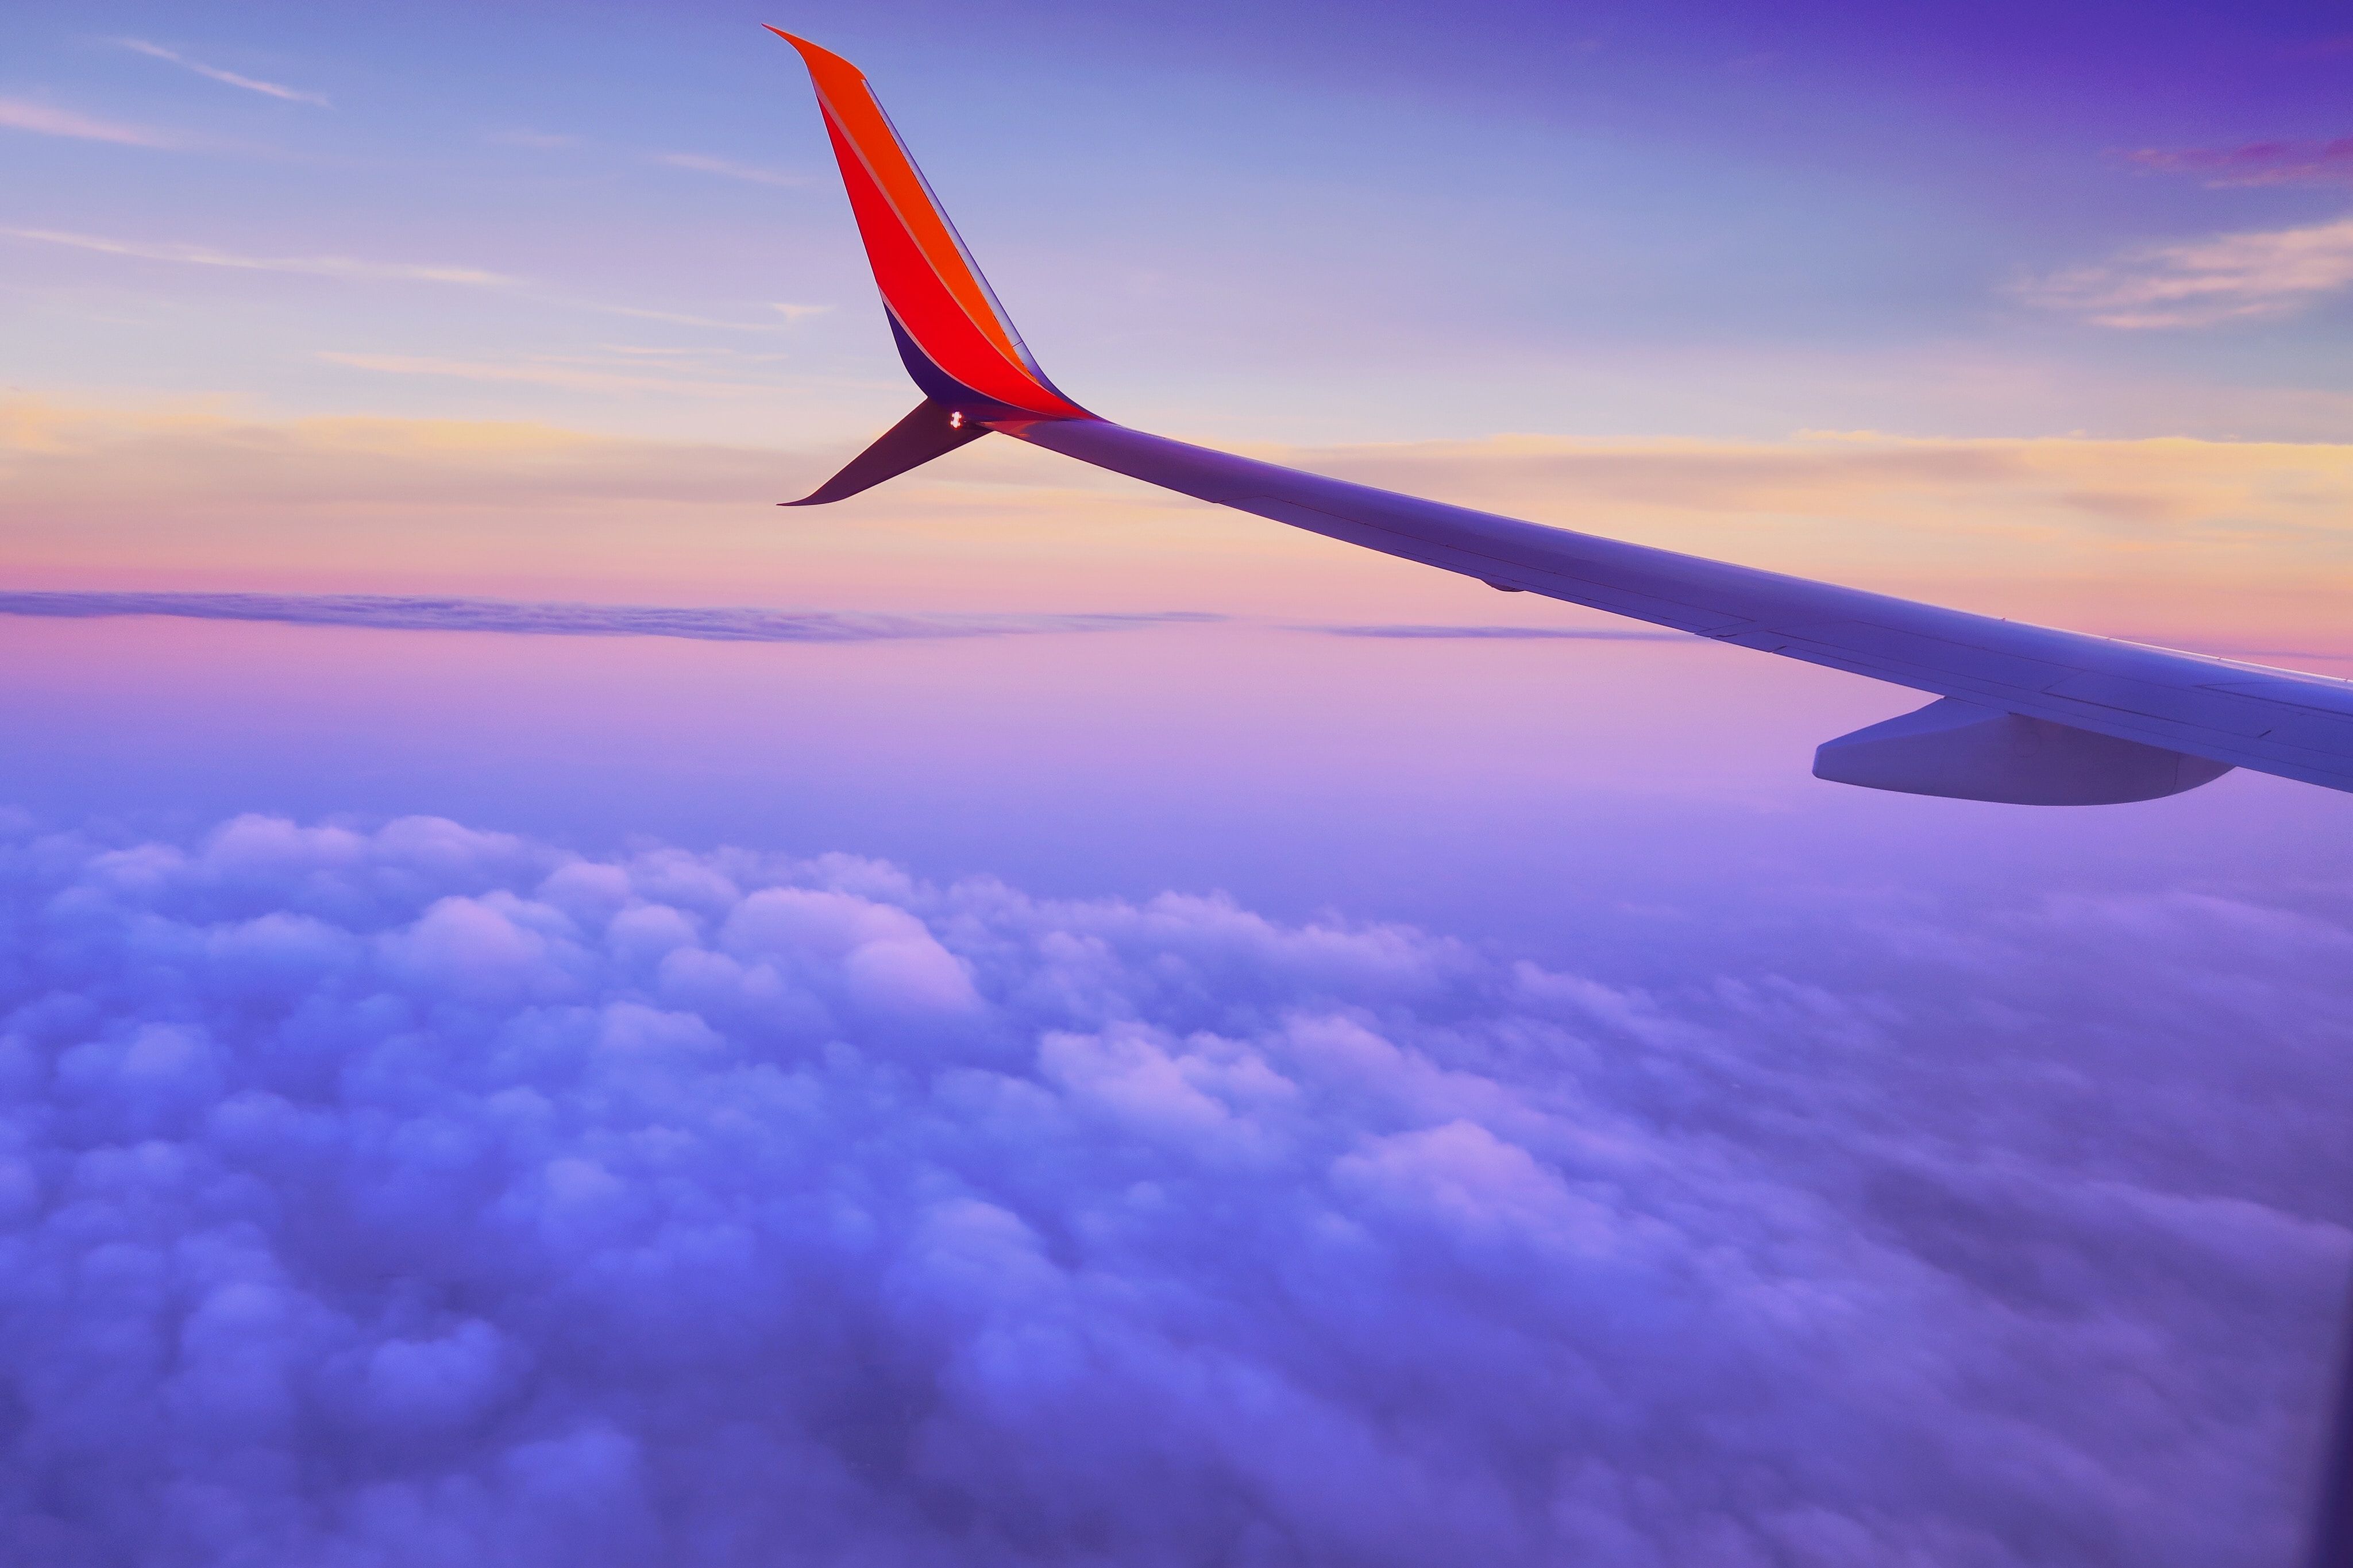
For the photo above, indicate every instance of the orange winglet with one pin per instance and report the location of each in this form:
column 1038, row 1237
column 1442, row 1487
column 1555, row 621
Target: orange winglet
column 939, row 303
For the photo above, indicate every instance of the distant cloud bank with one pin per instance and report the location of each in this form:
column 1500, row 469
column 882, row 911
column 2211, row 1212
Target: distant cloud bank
column 1578, row 633
column 422, row 1196
column 701, row 623
column 1944, row 520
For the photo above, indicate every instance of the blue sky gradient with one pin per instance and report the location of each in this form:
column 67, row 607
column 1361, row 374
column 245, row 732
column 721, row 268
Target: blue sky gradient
column 1331, row 225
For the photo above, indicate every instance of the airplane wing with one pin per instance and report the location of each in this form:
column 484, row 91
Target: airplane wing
column 2024, row 714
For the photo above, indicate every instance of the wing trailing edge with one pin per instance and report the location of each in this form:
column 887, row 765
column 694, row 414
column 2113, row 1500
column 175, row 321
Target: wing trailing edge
column 2025, row 714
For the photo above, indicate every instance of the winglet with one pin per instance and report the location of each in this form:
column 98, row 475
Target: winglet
column 955, row 338
column 930, row 431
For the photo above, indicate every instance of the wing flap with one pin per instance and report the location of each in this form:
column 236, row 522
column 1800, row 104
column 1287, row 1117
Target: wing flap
column 1962, row 750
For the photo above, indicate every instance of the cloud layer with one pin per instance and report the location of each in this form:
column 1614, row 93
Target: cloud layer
column 427, row 1195
column 2222, row 545
column 700, row 623
column 1519, row 633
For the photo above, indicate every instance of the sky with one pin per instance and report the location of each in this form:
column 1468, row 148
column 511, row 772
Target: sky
column 551, row 1011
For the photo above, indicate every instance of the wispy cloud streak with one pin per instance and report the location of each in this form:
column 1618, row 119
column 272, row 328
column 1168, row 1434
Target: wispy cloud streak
column 696, row 623
column 567, row 377
column 2231, row 277
column 2256, row 162
column 350, row 267
column 540, row 140
column 314, row 265
column 45, row 119
column 250, row 84
column 752, row 174
column 686, row 319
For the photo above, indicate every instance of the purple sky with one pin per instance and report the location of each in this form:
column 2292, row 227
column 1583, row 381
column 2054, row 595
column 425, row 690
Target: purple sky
column 1308, row 223
column 1041, row 1023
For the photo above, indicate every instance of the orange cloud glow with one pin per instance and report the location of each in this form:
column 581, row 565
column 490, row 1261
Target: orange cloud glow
column 2243, row 547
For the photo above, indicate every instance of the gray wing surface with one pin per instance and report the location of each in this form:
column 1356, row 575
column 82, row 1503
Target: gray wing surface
column 2211, row 713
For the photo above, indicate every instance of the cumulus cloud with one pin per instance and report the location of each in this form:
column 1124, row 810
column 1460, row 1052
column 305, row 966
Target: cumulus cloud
column 698, row 622
column 430, row 1195
column 2231, row 277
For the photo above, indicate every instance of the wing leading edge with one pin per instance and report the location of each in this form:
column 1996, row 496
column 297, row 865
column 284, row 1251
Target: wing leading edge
column 2023, row 714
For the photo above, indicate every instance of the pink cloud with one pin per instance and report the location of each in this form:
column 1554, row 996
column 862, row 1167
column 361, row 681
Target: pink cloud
column 2198, row 283
column 316, row 265
column 250, row 84
column 2256, row 162
column 704, row 165
column 2225, row 544
column 46, row 120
